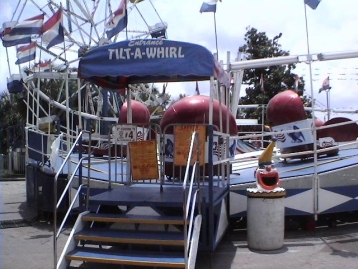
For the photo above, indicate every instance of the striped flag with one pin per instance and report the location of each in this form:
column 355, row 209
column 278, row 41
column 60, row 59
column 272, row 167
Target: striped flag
column 52, row 30
column 119, row 20
column 209, row 6
column 280, row 137
column 20, row 33
column 262, row 83
column 140, row 136
column 26, row 53
column 325, row 85
column 43, row 66
column 297, row 81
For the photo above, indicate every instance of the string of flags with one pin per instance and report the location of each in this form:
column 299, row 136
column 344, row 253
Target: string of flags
column 21, row 34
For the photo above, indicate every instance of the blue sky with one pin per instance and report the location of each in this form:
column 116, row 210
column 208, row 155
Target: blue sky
column 331, row 29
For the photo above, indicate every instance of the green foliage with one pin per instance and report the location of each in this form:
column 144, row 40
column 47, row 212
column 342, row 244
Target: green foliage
column 181, row 96
column 12, row 113
column 276, row 78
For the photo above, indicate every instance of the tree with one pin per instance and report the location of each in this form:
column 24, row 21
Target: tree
column 264, row 83
column 12, row 113
column 181, row 96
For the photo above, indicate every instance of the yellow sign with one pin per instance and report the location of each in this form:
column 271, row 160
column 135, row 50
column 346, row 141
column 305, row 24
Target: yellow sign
column 144, row 162
column 182, row 137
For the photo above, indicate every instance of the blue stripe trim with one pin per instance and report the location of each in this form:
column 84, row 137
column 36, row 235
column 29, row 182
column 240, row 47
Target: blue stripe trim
column 25, row 31
column 26, row 59
column 14, row 42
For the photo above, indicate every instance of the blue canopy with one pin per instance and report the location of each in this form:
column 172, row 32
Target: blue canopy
column 116, row 65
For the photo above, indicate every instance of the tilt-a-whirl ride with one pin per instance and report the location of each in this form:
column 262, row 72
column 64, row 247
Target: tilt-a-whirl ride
column 178, row 184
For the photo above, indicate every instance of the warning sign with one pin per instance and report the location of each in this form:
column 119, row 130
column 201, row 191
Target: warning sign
column 182, row 139
column 144, row 161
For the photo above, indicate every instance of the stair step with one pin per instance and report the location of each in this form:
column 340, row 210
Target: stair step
column 123, row 257
column 131, row 218
column 131, row 237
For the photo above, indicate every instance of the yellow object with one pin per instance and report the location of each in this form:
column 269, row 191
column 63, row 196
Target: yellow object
column 266, row 155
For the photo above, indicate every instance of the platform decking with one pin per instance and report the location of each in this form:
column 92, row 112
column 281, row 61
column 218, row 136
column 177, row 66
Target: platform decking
column 147, row 195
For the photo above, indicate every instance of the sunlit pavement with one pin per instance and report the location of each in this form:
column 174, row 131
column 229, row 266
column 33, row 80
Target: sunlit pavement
column 29, row 244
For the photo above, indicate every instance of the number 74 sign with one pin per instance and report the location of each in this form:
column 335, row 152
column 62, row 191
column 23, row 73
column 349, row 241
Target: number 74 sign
column 124, row 133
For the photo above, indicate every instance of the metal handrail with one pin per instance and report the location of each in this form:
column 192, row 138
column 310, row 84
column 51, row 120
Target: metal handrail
column 188, row 198
column 56, row 203
column 70, row 208
column 70, row 181
column 191, row 219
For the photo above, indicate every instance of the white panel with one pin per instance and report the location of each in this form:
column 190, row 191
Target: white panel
column 238, row 203
column 223, row 222
column 194, row 242
column 328, row 199
column 143, row 210
column 302, row 201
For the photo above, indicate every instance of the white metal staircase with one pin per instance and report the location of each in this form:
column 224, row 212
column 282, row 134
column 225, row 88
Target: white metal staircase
column 106, row 245
column 161, row 240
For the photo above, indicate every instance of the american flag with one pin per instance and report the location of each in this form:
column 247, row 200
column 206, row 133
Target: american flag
column 140, row 136
column 280, row 137
column 217, row 149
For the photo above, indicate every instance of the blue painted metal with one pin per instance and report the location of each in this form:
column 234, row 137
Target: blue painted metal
column 211, row 224
column 143, row 61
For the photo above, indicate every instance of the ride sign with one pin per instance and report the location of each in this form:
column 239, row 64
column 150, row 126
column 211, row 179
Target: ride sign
column 144, row 160
column 183, row 134
column 124, row 133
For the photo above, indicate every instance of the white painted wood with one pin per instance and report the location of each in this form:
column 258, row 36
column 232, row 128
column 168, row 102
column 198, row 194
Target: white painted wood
column 71, row 242
column 194, row 243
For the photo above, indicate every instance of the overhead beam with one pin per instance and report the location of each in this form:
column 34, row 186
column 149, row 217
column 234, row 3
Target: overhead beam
column 282, row 60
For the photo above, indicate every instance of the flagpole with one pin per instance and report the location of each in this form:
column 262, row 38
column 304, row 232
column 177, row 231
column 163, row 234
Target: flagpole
column 328, row 106
column 216, row 38
column 218, row 84
column 315, row 175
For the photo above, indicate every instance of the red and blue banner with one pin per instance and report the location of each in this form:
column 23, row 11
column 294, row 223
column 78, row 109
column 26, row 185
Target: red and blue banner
column 43, row 66
column 26, row 53
column 118, row 22
column 21, row 32
column 52, row 30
